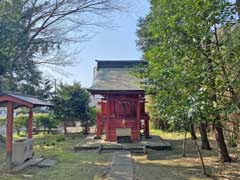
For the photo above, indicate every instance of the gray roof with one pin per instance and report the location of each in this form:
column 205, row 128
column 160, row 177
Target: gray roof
column 30, row 99
column 115, row 76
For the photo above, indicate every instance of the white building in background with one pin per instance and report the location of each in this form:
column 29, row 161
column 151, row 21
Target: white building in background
column 94, row 101
column 3, row 112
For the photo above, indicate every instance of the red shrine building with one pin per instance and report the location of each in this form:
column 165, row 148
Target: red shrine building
column 122, row 114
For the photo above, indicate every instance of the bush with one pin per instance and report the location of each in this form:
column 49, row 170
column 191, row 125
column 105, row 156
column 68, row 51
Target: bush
column 60, row 139
column 233, row 140
column 45, row 120
column 20, row 121
column 2, row 121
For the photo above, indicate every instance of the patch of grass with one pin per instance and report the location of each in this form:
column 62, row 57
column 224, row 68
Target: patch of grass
column 70, row 165
column 169, row 135
column 61, row 138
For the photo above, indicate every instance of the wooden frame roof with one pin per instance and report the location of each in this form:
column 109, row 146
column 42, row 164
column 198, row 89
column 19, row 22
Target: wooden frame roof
column 24, row 100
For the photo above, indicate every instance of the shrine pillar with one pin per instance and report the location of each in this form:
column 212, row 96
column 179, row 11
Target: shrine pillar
column 138, row 118
column 9, row 138
column 108, row 119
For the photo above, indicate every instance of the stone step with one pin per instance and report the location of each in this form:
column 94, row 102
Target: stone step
column 122, row 166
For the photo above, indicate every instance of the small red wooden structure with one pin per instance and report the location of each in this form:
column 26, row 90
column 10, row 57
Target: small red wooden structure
column 14, row 100
column 123, row 102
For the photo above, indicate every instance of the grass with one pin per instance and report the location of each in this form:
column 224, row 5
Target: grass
column 165, row 165
column 170, row 165
column 168, row 135
column 70, row 165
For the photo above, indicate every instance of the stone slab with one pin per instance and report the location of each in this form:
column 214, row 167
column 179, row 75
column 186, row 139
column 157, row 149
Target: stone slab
column 121, row 158
column 121, row 173
column 47, row 163
column 31, row 162
column 35, row 161
column 122, row 166
column 155, row 143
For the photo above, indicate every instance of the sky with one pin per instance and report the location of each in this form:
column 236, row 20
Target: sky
column 118, row 43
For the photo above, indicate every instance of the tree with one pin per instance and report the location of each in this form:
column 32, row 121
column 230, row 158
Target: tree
column 20, row 122
column 192, row 67
column 46, row 121
column 72, row 104
column 34, row 31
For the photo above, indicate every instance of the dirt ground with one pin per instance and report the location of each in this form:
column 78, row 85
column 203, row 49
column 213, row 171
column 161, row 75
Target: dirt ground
column 170, row 165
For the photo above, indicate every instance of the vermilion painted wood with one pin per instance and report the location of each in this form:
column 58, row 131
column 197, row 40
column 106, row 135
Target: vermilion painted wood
column 119, row 108
column 138, row 119
column 107, row 120
column 15, row 100
column 9, row 127
column 30, row 118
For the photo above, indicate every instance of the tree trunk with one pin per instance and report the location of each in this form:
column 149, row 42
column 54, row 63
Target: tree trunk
column 204, row 137
column 200, row 156
column 238, row 141
column 65, row 127
column 217, row 123
column 224, row 156
column 184, row 145
column 192, row 131
column 18, row 132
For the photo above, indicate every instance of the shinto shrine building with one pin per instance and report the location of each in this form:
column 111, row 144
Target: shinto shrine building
column 122, row 116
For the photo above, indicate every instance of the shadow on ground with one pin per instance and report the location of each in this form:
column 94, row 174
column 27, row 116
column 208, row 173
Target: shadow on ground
column 170, row 165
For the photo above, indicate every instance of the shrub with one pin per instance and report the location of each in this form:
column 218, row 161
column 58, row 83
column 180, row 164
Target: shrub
column 45, row 120
column 60, row 139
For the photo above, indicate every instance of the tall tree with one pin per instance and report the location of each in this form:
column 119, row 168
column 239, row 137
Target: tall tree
column 190, row 69
column 72, row 104
column 33, row 29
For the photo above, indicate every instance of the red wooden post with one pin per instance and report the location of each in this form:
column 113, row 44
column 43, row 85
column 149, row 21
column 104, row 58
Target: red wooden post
column 9, row 133
column 30, row 118
column 138, row 118
column 108, row 120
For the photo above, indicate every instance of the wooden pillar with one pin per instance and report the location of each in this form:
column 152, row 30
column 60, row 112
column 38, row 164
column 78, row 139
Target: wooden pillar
column 30, row 118
column 108, row 120
column 9, row 133
column 138, row 118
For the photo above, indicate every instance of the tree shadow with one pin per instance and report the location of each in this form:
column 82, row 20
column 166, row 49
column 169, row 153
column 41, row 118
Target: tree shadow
column 170, row 164
column 151, row 171
column 176, row 151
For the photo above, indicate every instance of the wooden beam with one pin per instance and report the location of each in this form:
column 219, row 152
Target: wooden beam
column 9, row 133
column 15, row 100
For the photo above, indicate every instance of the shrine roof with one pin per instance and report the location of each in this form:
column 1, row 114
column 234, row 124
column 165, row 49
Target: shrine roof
column 17, row 97
column 115, row 76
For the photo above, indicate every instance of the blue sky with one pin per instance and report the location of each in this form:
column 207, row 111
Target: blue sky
column 108, row 44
